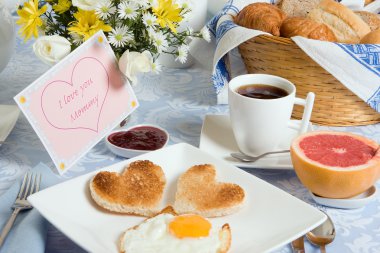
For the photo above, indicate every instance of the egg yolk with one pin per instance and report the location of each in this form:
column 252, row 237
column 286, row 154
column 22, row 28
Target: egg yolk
column 189, row 226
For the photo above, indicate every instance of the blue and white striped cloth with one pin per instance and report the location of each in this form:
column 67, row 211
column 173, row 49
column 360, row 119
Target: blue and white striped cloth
column 356, row 66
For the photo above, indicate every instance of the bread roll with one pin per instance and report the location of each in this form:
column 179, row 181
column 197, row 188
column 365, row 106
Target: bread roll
column 306, row 28
column 371, row 38
column 261, row 16
column 372, row 19
column 343, row 22
column 297, row 8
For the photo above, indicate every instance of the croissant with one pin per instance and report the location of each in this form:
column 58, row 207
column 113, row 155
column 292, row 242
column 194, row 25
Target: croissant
column 261, row 16
column 306, row 28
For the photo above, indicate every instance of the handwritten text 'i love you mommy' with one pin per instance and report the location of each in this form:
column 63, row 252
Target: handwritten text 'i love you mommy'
column 80, row 94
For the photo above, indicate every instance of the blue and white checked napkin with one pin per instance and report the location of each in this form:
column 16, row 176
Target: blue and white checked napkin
column 29, row 231
column 355, row 66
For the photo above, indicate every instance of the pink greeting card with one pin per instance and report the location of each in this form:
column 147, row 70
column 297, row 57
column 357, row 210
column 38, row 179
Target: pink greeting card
column 78, row 101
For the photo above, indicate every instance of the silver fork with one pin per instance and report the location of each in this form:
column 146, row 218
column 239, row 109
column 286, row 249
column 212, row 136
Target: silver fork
column 30, row 185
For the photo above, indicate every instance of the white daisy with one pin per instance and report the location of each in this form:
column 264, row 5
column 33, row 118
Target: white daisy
column 182, row 53
column 156, row 67
column 105, row 9
column 76, row 39
column 152, row 3
column 185, row 4
column 149, row 19
column 151, row 32
column 141, row 3
column 189, row 31
column 159, row 40
column 127, row 10
column 120, row 36
column 206, row 34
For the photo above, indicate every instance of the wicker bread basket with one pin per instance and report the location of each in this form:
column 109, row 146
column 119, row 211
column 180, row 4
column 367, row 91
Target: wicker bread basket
column 334, row 105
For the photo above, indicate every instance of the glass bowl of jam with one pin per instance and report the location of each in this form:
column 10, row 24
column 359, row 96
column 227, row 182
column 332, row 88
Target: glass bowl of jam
column 137, row 140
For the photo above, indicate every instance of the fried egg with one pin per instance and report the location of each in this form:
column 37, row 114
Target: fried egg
column 168, row 233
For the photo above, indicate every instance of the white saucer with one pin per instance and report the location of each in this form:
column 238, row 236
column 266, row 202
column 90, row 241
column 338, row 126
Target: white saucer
column 217, row 139
column 350, row 203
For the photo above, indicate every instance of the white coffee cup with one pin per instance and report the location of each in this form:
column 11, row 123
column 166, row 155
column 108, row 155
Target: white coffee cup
column 259, row 124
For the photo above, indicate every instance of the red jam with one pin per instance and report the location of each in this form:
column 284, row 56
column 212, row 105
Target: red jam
column 139, row 138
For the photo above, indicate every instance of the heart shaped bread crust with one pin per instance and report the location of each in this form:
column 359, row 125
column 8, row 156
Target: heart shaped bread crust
column 199, row 192
column 138, row 190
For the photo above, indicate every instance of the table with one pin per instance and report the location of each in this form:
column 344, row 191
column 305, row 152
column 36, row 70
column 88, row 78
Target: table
column 177, row 100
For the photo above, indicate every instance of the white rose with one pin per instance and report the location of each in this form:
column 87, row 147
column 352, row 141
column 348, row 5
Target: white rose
column 132, row 63
column 87, row 5
column 51, row 49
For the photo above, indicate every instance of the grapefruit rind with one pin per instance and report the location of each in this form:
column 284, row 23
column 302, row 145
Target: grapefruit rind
column 335, row 182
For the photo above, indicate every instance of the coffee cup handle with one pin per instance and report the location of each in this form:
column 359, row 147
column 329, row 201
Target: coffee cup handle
column 308, row 104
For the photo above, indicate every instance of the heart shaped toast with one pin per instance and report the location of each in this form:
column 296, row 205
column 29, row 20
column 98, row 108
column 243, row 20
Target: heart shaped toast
column 138, row 190
column 199, row 192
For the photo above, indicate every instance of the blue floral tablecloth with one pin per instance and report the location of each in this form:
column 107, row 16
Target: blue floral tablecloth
column 178, row 100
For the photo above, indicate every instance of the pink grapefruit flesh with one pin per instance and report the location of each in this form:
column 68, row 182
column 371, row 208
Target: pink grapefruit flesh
column 336, row 150
column 335, row 164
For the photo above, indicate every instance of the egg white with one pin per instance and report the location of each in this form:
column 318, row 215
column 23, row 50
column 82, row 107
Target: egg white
column 153, row 236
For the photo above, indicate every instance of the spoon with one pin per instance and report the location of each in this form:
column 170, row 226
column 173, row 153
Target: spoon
column 246, row 158
column 323, row 234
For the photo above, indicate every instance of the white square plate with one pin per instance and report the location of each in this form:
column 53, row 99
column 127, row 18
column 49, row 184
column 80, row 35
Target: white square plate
column 218, row 140
column 8, row 118
column 270, row 219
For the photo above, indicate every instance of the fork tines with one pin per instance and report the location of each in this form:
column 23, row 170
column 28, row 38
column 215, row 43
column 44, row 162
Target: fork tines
column 30, row 185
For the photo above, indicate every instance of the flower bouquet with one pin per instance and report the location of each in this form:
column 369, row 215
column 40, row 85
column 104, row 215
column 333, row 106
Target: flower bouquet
column 138, row 30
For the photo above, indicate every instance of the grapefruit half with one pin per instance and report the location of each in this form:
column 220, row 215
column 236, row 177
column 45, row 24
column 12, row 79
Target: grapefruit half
column 335, row 164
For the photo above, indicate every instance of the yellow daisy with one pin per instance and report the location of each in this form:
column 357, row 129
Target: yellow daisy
column 62, row 6
column 30, row 19
column 168, row 14
column 87, row 24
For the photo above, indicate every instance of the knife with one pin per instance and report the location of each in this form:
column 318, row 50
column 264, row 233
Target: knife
column 298, row 245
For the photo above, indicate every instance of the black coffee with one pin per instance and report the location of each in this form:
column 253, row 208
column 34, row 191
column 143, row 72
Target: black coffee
column 262, row 91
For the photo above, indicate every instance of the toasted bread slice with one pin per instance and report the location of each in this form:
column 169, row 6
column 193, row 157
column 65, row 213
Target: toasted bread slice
column 138, row 190
column 198, row 192
column 224, row 233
